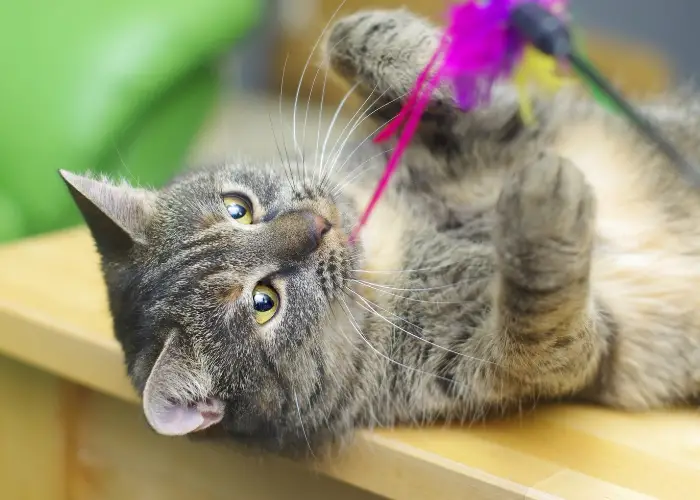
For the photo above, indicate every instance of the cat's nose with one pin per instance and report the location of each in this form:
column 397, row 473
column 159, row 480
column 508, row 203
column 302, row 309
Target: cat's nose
column 318, row 227
column 315, row 228
column 297, row 234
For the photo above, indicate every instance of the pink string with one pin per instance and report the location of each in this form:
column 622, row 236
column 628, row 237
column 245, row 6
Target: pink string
column 403, row 143
column 393, row 126
column 411, row 114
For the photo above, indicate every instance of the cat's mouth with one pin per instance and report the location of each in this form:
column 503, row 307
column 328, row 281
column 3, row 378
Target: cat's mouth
column 340, row 224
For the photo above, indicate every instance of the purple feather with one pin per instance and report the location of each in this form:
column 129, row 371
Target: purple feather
column 482, row 48
column 478, row 48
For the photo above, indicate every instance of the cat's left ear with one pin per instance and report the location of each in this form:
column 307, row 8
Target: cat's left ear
column 117, row 215
column 176, row 397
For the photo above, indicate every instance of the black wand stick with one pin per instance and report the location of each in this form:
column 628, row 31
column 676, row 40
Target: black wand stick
column 550, row 35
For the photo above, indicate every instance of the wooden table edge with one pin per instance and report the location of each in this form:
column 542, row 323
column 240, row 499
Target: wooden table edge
column 97, row 364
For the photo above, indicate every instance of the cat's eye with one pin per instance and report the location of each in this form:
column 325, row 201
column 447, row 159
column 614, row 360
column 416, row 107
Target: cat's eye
column 265, row 303
column 238, row 208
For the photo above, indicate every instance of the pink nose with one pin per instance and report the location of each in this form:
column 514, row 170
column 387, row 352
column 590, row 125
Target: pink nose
column 320, row 227
column 296, row 234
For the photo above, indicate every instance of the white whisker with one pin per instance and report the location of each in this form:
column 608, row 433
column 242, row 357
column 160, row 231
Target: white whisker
column 370, row 135
column 354, row 324
column 318, row 130
column 306, row 65
column 401, row 271
column 339, row 146
column 334, row 153
column 332, row 124
column 345, row 181
column 287, row 164
column 371, row 308
column 381, row 290
column 279, row 151
column 301, row 422
column 121, row 160
column 387, row 287
column 306, row 118
column 320, row 115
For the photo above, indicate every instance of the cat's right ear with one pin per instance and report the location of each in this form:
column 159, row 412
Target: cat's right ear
column 117, row 215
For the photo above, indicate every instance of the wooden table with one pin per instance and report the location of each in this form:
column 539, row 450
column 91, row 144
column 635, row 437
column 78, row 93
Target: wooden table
column 69, row 428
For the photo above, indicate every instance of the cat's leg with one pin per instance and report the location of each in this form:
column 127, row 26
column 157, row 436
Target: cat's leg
column 383, row 52
column 545, row 334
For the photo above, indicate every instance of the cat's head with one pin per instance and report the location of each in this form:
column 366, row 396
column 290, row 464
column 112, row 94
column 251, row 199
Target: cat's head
column 222, row 288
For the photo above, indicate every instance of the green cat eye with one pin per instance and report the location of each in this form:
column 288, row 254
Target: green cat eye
column 265, row 303
column 239, row 209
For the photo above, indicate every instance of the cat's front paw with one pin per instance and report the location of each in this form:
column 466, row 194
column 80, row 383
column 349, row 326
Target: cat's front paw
column 546, row 215
column 384, row 50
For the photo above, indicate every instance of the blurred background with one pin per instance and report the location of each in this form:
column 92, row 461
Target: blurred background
column 668, row 25
column 642, row 45
column 144, row 88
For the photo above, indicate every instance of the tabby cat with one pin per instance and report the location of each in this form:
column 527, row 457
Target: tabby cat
column 506, row 265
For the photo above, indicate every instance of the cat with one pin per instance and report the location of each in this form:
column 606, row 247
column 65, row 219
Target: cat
column 507, row 264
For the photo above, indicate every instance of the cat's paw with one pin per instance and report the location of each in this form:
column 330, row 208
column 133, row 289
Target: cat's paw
column 546, row 218
column 383, row 50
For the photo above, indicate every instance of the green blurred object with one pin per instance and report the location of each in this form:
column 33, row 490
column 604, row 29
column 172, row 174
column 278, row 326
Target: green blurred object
column 119, row 88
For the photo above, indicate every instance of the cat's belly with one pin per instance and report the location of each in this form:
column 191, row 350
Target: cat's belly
column 646, row 263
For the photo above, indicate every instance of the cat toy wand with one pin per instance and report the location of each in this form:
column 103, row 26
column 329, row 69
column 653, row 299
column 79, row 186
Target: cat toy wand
column 489, row 40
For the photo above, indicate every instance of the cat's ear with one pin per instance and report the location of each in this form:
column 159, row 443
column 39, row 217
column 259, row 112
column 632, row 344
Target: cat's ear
column 117, row 215
column 175, row 397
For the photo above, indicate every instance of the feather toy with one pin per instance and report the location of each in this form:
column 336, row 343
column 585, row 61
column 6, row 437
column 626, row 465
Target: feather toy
column 485, row 41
